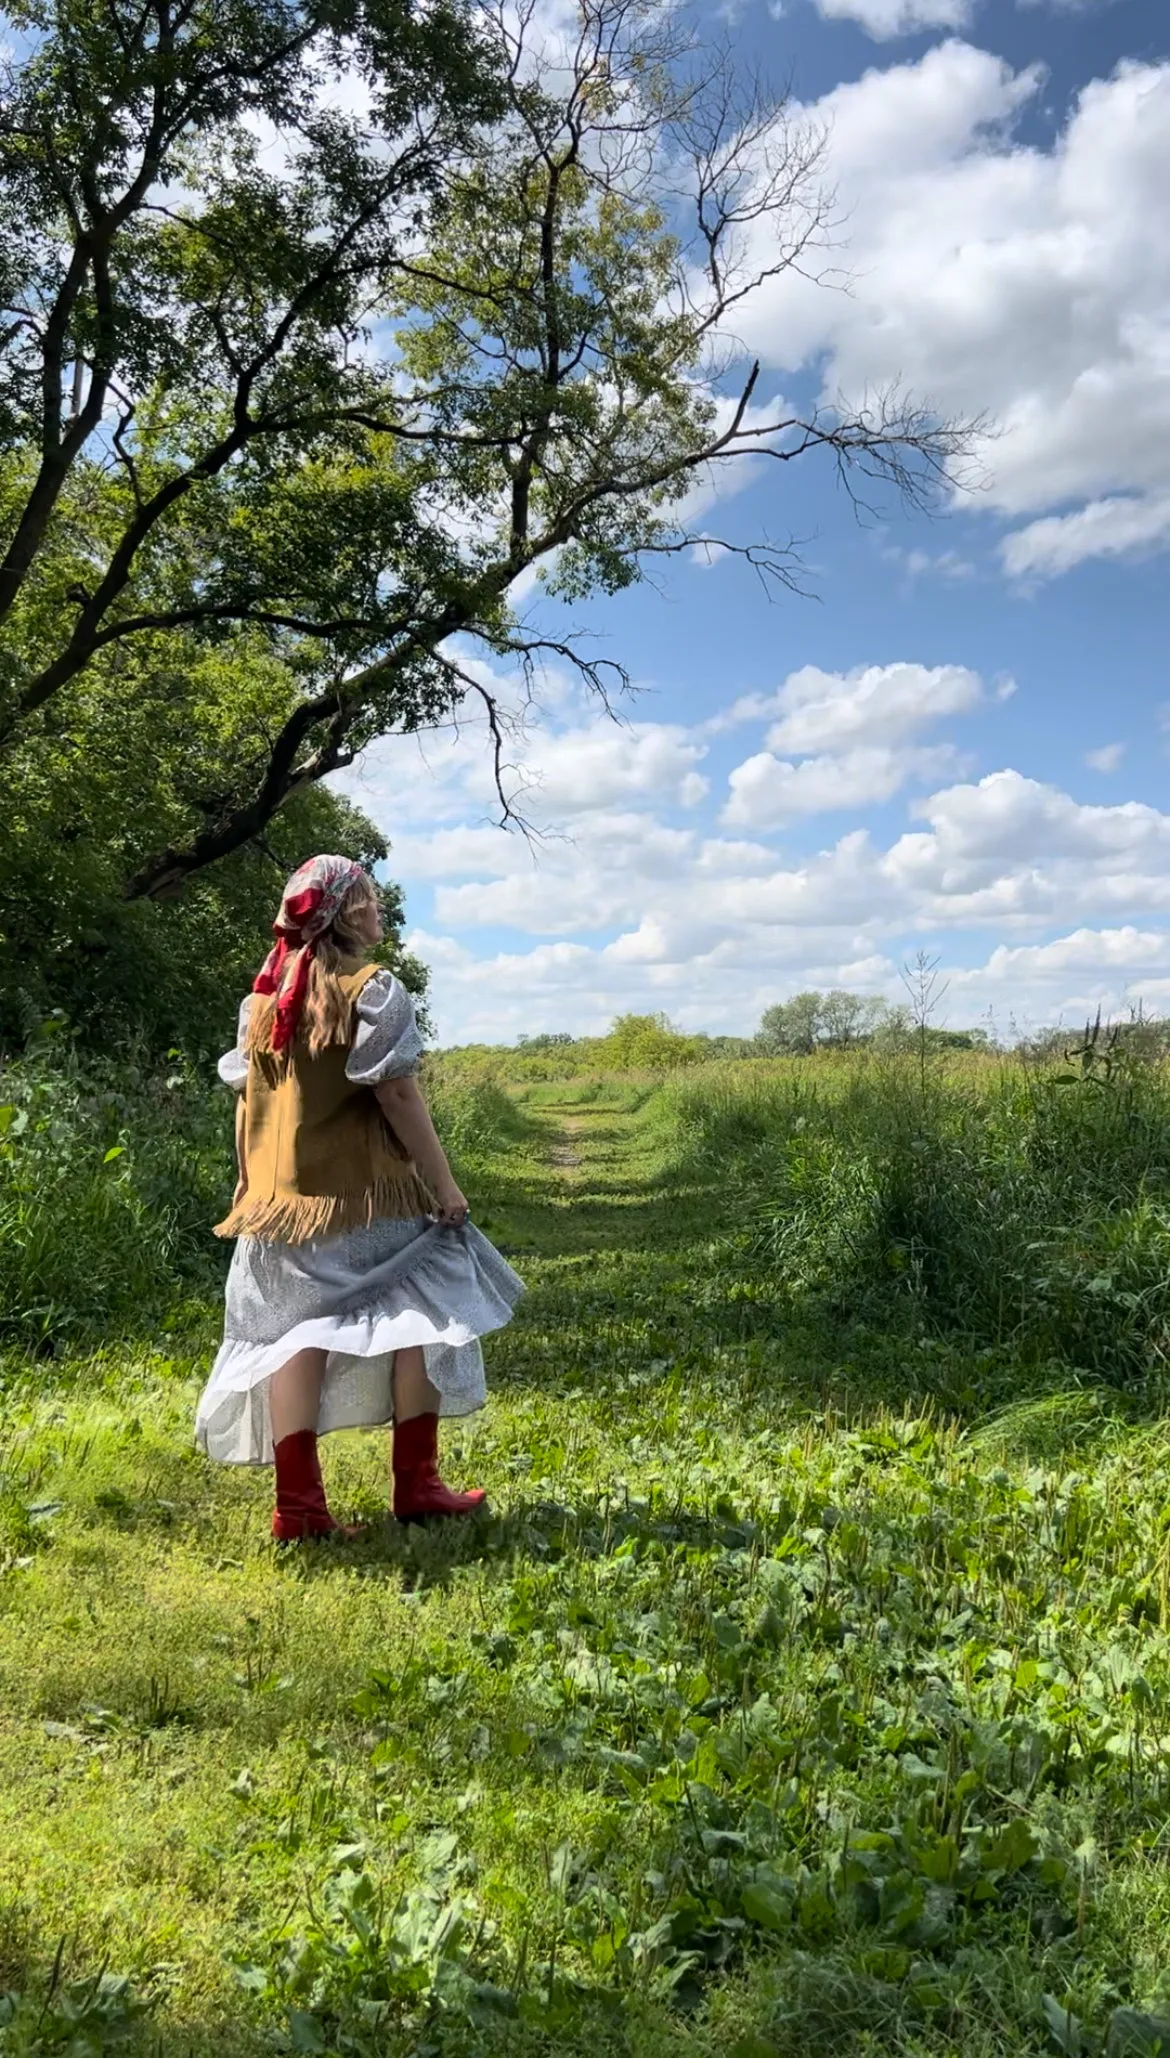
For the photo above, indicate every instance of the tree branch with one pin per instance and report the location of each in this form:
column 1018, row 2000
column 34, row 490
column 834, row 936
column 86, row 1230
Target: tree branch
column 165, row 875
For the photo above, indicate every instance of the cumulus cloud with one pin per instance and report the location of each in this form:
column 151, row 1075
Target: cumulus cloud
column 1013, row 851
column 637, row 901
column 1107, row 759
column 1029, row 282
column 1067, row 979
column 580, row 988
column 573, row 763
column 875, row 704
column 1119, row 527
column 821, row 710
column 843, row 739
column 593, row 766
column 883, row 19
column 1095, row 951
column 767, row 792
column 707, row 926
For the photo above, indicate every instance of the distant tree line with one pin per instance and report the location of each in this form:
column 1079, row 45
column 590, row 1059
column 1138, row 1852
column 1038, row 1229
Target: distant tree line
column 640, row 1043
column 809, row 1022
column 839, row 1020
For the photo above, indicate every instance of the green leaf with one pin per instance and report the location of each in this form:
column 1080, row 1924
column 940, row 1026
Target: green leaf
column 118, row 1151
column 768, row 1902
column 305, row 2031
column 1012, row 1849
column 1064, row 2028
column 1134, row 2035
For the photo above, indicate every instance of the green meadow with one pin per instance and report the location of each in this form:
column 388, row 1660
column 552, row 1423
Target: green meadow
column 806, row 1690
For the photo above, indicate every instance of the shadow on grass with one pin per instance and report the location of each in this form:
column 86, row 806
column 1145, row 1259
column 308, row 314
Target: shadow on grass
column 1045, row 1429
column 542, row 1530
column 51, row 1996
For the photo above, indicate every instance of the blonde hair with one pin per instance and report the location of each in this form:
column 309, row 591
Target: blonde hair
column 327, row 1017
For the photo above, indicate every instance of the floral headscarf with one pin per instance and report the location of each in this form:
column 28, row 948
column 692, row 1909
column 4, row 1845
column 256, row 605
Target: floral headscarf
column 310, row 905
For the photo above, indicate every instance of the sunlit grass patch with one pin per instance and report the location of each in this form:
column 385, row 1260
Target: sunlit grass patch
column 781, row 1705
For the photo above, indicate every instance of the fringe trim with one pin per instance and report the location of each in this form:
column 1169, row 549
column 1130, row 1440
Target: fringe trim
column 307, row 1218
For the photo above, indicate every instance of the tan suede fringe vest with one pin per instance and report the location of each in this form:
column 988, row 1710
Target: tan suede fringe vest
column 320, row 1155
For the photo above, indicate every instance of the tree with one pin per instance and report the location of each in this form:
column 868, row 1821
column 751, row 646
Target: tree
column 648, row 1043
column 169, row 972
column 205, row 439
column 792, row 1028
column 727, row 1046
column 836, row 1020
column 848, row 1018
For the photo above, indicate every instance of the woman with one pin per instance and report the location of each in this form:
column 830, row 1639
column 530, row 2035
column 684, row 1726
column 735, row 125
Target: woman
column 358, row 1289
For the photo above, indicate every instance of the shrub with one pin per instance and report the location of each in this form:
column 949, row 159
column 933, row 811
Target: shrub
column 476, row 1119
column 1025, row 1208
column 111, row 1176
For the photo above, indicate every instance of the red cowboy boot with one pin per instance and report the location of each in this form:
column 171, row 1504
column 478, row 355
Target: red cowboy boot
column 418, row 1490
column 301, row 1510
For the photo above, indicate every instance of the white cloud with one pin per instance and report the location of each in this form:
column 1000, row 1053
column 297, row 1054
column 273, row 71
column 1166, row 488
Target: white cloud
column 875, row 704
column 1012, row 851
column 587, row 883
column 885, row 18
column 1118, row 527
column 572, row 986
column 767, row 792
column 1084, row 950
column 639, row 903
column 603, row 762
column 1066, row 980
column 945, row 564
column 555, row 770
column 851, row 736
column 1029, row 282
column 821, row 710
column 1107, row 759
column 708, row 925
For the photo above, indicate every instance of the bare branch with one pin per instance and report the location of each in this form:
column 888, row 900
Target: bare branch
column 496, row 729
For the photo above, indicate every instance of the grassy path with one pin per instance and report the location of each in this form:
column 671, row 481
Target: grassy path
column 740, row 1728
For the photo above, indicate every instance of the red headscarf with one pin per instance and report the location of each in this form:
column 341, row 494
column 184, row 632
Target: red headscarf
column 311, row 904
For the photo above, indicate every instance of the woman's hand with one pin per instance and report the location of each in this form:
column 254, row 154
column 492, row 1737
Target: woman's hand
column 451, row 1206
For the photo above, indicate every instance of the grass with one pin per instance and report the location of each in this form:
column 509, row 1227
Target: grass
column 796, row 1699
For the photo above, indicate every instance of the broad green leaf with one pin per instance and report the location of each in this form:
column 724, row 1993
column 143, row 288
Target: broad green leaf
column 1134, row 2035
column 1064, row 2028
column 768, row 1902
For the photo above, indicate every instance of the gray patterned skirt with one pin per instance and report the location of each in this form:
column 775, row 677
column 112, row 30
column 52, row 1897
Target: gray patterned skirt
column 360, row 1297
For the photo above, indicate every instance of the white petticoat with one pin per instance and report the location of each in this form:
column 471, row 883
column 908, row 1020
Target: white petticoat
column 360, row 1297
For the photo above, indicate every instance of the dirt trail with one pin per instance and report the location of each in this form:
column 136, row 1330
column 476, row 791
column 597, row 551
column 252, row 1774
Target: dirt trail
column 564, row 1155
column 568, row 1151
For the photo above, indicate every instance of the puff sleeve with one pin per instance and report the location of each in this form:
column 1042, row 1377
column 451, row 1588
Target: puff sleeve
column 386, row 1042
column 233, row 1066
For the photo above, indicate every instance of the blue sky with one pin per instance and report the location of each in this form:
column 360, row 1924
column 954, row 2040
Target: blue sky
column 960, row 743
